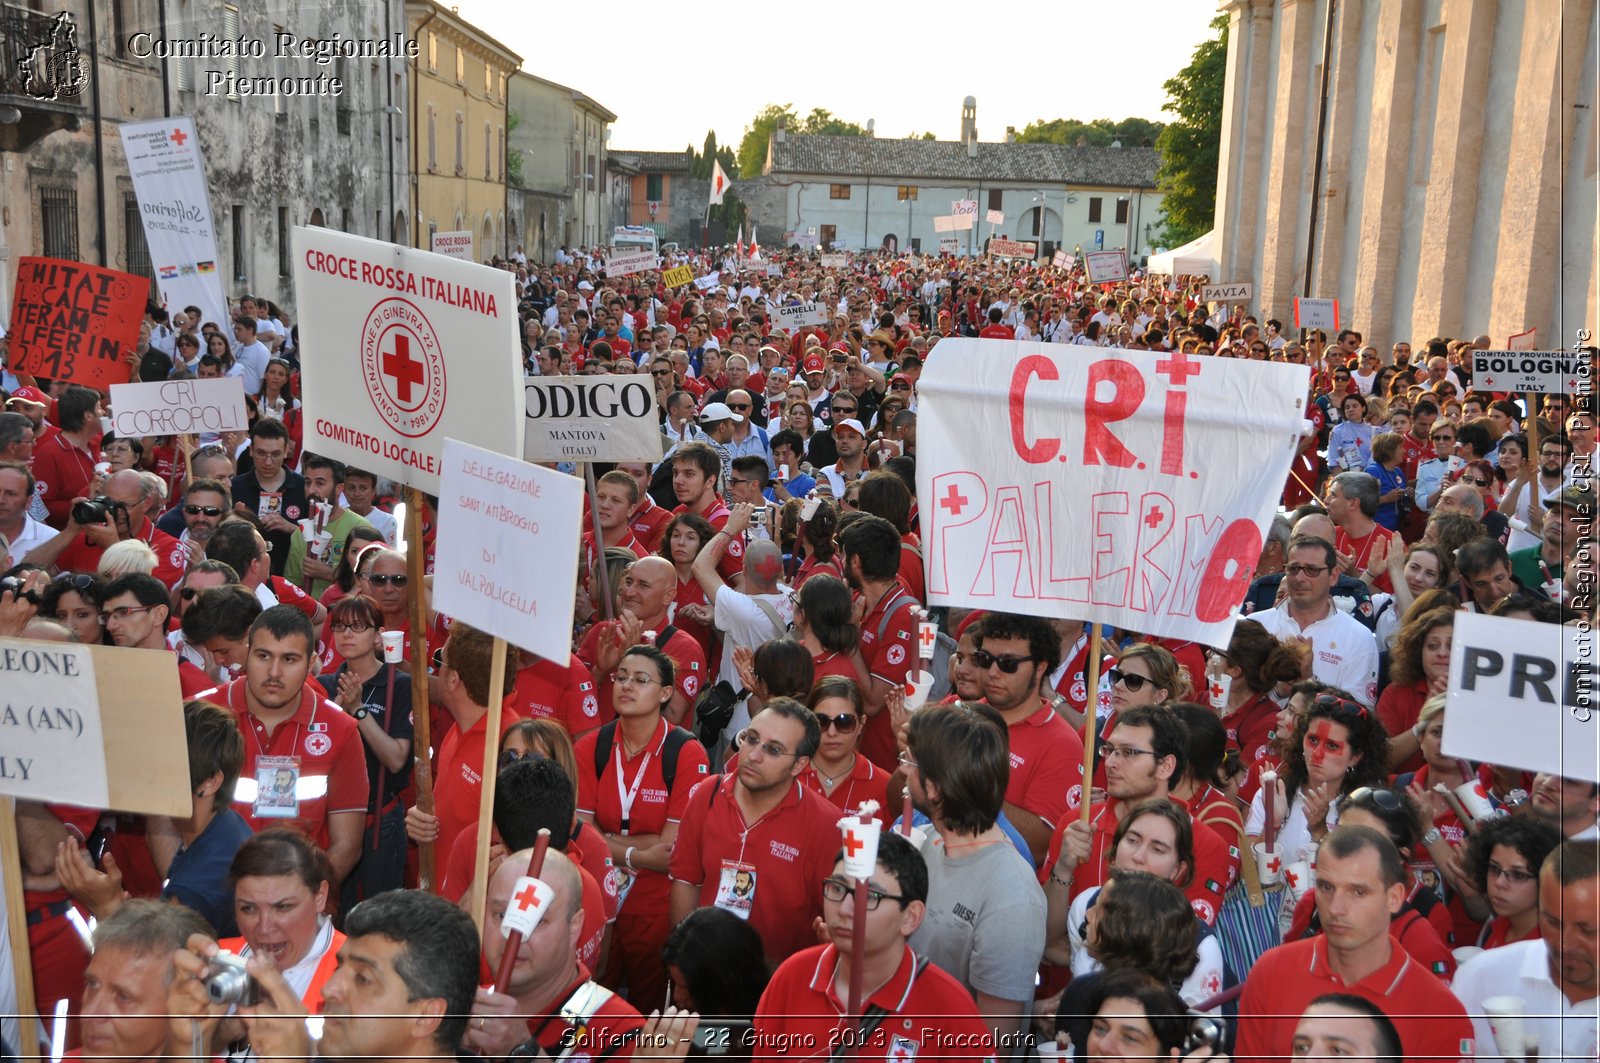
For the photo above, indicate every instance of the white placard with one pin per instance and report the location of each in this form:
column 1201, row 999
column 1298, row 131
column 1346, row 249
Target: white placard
column 56, row 745
column 456, row 244
column 506, row 557
column 590, row 418
column 708, row 282
column 1316, row 313
column 1529, row 371
column 774, row 270
column 1013, row 248
column 404, row 347
column 791, row 318
column 995, row 217
column 949, row 245
column 630, row 262
column 951, row 223
column 964, row 207
column 179, row 407
column 1523, row 695
column 834, row 261
column 1105, row 267
column 1092, row 500
column 1241, row 292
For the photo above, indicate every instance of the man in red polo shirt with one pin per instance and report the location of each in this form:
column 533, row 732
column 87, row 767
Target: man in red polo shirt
column 648, row 520
column 1142, row 755
column 550, row 998
column 554, row 690
column 1352, row 499
column 756, row 842
column 1046, row 753
column 463, row 690
column 64, row 459
column 802, row 1014
column 79, row 547
column 696, row 468
column 134, row 614
column 618, row 493
column 304, row 763
column 646, row 588
column 1361, row 884
column 870, row 553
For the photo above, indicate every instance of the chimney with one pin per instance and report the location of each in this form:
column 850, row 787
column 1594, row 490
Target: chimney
column 778, row 130
column 1011, row 134
column 872, row 127
column 1116, row 144
column 969, row 124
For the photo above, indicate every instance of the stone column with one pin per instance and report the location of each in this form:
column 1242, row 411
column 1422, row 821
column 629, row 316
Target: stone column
column 1383, row 191
column 1243, row 136
column 1338, row 182
column 1293, row 150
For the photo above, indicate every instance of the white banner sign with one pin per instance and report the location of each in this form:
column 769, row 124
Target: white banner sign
column 1105, row 267
column 1537, row 371
column 1101, row 489
column 832, row 261
column 709, row 281
column 402, row 348
column 1316, row 313
column 792, row 318
column 507, row 554
column 951, row 223
column 590, row 418
column 1013, row 248
column 949, row 245
column 964, row 207
column 1524, row 695
column 169, row 179
column 995, row 217
column 1524, row 341
column 630, row 262
column 179, row 407
column 1226, row 293
column 57, row 745
column 456, row 244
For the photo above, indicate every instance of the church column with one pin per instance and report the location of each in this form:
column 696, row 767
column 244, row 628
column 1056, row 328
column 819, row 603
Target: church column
column 1293, row 151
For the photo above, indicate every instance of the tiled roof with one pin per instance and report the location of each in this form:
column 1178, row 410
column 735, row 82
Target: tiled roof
column 655, row 161
column 948, row 159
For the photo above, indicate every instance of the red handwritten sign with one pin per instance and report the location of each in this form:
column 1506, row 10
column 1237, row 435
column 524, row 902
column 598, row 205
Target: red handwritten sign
column 73, row 321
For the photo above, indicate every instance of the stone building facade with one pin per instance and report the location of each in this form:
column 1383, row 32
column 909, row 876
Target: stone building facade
column 561, row 138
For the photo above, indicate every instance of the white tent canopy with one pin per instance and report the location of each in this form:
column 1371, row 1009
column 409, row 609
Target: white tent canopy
column 1198, row 256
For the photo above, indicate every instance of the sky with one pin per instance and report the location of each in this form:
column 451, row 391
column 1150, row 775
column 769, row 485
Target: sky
column 908, row 66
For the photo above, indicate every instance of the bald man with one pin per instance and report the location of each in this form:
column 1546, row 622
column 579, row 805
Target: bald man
column 78, row 547
column 647, row 587
column 548, row 987
column 760, row 612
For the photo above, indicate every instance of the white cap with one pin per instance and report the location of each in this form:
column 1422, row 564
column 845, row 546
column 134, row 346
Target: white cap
column 719, row 411
column 852, row 424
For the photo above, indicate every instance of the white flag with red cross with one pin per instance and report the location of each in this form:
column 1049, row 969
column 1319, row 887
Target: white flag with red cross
column 529, row 899
column 719, row 182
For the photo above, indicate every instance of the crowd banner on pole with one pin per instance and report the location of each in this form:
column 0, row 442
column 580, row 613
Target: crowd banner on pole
column 591, row 418
column 964, row 208
column 167, row 167
column 1536, row 371
column 1126, row 489
column 1316, row 313
column 995, row 217
column 1524, row 341
column 402, row 348
column 834, row 261
column 678, row 276
column 794, row 318
column 631, row 262
column 1013, row 248
column 179, row 407
column 950, row 223
column 1105, row 267
column 1524, row 695
column 1241, row 292
column 456, row 244
column 73, row 321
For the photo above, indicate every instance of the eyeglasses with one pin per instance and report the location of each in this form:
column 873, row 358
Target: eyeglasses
column 1008, row 662
column 210, row 511
column 1107, row 751
column 638, row 679
column 750, row 740
column 906, row 761
column 1443, row 437
column 1352, row 708
column 901, row 386
column 844, row 723
column 836, row 891
column 1305, row 570
column 1515, row 875
column 738, row 406
column 354, row 626
column 1385, row 799
column 122, row 613
column 1134, row 683
column 388, row 581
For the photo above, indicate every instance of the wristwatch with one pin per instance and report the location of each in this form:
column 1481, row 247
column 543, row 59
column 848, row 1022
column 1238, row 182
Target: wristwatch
column 359, row 713
column 1433, row 835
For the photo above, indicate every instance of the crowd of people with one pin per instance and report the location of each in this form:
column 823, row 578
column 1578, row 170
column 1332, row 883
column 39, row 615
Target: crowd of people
column 1270, row 854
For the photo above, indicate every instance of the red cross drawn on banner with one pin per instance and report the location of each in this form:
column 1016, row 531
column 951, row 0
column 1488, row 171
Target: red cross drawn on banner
column 954, row 501
column 853, row 844
column 405, row 369
column 528, row 899
column 1178, row 368
column 1153, row 518
column 178, row 136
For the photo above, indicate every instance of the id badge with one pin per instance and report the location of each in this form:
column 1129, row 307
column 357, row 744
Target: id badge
column 277, row 788
column 736, row 890
column 269, row 504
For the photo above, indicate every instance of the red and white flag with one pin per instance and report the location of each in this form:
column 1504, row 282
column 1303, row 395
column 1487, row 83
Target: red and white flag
column 738, row 247
column 719, row 182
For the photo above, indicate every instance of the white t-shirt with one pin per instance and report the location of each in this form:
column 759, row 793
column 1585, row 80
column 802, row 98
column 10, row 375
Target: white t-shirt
column 33, row 534
column 1563, row 1030
column 1294, row 837
column 744, row 623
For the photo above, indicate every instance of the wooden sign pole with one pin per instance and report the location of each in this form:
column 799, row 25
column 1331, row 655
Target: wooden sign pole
column 604, row 574
column 17, row 929
column 1091, row 722
column 422, row 738
column 491, row 760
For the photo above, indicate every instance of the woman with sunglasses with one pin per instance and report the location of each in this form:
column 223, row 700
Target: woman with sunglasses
column 630, row 803
column 837, row 771
column 1339, row 746
column 1479, row 474
column 361, row 686
column 74, row 599
column 361, row 538
column 1145, row 674
column 1419, row 668
column 1502, row 861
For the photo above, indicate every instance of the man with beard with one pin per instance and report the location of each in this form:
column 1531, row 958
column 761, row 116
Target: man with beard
column 205, row 504
column 851, row 440
column 324, row 480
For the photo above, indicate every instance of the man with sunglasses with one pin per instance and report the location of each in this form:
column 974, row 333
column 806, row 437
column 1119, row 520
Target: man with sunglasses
column 1344, row 653
column 205, row 504
column 760, row 820
column 916, row 1008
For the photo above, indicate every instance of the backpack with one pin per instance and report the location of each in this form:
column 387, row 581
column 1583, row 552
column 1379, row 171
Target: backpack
column 606, row 737
column 943, row 647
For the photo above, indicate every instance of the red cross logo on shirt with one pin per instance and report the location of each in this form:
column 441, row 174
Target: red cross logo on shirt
column 405, row 369
column 954, row 501
column 1178, row 368
column 527, row 900
column 178, row 136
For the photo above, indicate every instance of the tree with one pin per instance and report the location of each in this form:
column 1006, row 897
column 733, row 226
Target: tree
column 513, row 155
column 752, row 153
column 1191, row 146
column 1100, row 133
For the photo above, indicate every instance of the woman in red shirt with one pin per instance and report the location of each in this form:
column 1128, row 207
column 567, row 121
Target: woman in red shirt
column 838, row 772
column 686, row 535
column 1419, row 668
column 1239, row 686
column 1503, row 860
column 815, row 540
column 822, row 623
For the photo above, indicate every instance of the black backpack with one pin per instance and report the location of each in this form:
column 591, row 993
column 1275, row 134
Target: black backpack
column 606, row 737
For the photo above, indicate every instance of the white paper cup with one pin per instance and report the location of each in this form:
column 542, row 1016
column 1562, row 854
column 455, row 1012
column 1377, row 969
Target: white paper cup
column 917, row 686
column 1268, row 865
column 918, row 838
column 1218, row 688
column 1457, row 463
column 1507, row 1023
column 1298, row 877
column 102, row 467
column 308, row 529
column 1465, row 953
column 321, row 545
column 1048, row 1050
column 1475, row 801
column 927, row 639
column 808, row 508
column 394, row 646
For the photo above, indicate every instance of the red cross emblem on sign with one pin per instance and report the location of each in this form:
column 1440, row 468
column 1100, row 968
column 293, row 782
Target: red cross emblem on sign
column 1178, row 369
column 178, row 136
column 852, row 843
column 405, row 370
column 954, row 501
column 1153, row 518
column 527, row 900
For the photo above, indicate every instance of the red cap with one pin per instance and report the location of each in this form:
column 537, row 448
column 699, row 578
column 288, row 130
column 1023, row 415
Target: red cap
column 841, row 347
column 31, row 396
column 814, row 364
